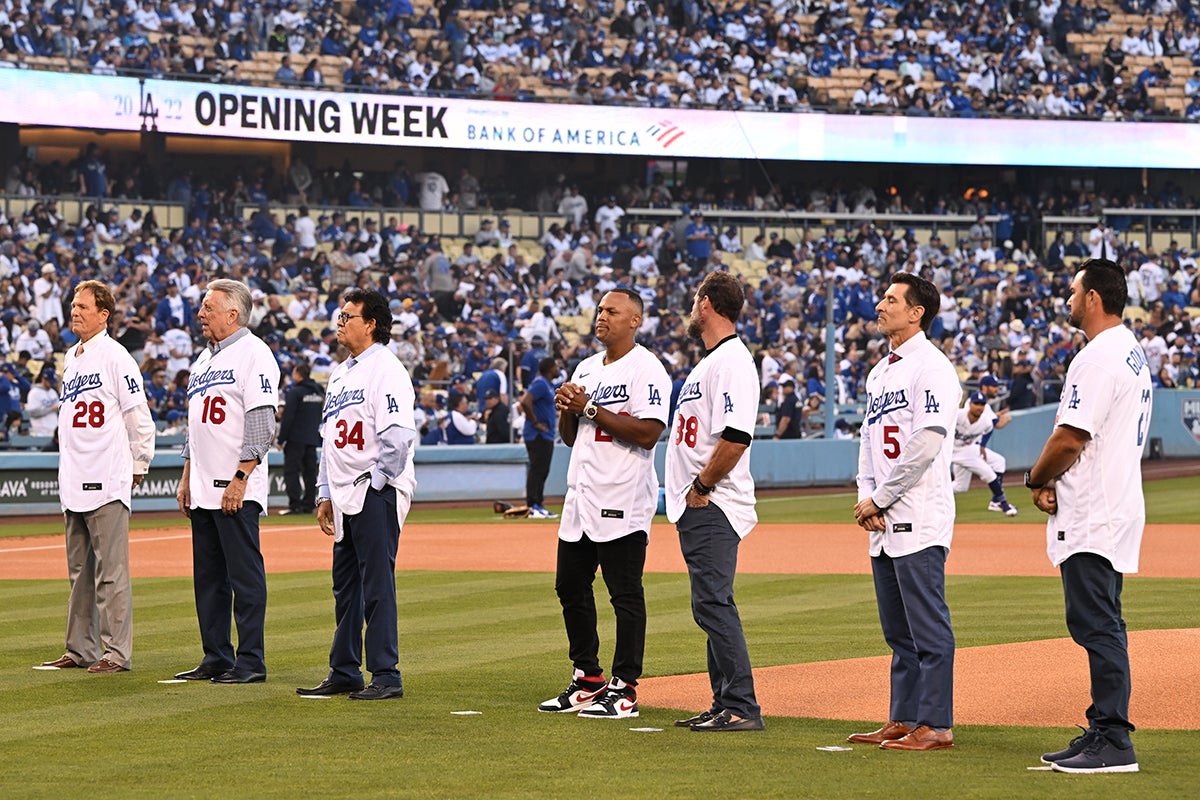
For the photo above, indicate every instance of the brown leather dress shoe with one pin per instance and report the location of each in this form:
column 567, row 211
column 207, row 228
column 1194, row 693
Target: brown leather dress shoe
column 63, row 662
column 922, row 738
column 106, row 666
column 892, row 730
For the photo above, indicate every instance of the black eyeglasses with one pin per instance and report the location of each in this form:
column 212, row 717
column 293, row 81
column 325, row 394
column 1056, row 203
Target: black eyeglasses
column 344, row 317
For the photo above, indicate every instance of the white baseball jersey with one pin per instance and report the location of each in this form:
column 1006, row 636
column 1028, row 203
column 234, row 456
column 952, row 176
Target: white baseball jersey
column 918, row 391
column 360, row 403
column 612, row 488
column 967, row 436
column 241, row 377
column 96, row 459
column 1100, row 504
column 721, row 392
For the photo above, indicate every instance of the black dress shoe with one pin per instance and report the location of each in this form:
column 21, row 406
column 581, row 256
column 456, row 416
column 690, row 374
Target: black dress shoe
column 330, row 687
column 724, row 721
column 703, row 716
column 236, row 675
column 200, row 673
column 377, row 691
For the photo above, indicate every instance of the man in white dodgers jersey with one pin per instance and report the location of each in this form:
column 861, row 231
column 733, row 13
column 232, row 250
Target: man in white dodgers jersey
column 907, row 504
column 364, row 491
column 611, row 414
column 1088, row 478
column 106, row 441
column 232, row 395
column 972, row 428
column 710, row 495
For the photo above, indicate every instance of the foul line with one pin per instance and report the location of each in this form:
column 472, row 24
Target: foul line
column 63, row 545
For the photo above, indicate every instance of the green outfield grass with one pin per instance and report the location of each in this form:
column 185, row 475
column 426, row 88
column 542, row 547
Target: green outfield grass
column 1167, row 501
column 493, row 642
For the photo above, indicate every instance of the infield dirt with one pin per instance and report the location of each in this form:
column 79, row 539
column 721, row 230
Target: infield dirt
column 1032, row 683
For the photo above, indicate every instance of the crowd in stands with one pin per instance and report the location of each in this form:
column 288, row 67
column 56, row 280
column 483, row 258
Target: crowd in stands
column 916, row 57
column 459, row 305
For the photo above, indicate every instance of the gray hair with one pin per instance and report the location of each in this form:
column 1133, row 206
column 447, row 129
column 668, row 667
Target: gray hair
column 237, row 296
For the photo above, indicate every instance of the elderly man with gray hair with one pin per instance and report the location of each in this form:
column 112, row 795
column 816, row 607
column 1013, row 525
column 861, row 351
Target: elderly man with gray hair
column 232, row 396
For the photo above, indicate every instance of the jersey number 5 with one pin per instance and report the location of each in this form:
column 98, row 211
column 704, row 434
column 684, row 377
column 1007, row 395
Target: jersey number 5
column 891, row 441
column 349, row 435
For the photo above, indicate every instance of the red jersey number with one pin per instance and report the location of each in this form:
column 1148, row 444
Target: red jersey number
column 601, row 436
column 687, row 431
column 213, row 411
column 348, row 434
column 891, row 441
column 88, row 415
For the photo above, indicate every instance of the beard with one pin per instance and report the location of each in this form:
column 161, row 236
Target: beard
column 1076, row 317
column 694, row 331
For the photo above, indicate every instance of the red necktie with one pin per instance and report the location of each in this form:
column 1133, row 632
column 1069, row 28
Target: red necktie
column 893, row 358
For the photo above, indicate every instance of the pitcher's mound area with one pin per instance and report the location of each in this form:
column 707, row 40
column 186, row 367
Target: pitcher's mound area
column 1041, row 683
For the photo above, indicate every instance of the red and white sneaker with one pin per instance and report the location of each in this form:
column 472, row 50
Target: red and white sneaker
column 580, row 694
column 618, row 701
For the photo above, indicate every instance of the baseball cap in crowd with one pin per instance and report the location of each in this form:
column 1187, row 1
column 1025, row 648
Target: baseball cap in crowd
column 48, row 374
column 977, row 399
column 489, row 394
column 48, row 269
column 173, row 416
column 460, row 378
column 988, row 380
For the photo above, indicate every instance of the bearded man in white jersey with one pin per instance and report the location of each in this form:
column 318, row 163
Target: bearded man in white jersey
column 611, row 414
column 364, row 490
column 906, row 503
column 1088, row 478
column 710, row 495
column 106, row 441
column 233, row 392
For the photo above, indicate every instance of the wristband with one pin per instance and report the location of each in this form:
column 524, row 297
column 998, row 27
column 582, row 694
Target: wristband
column 1029, row 484
column 699, row 488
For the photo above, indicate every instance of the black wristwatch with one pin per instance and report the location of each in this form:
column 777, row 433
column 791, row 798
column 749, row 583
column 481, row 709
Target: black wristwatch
column 699, row 488
column 1029, row 484
column 239, row 475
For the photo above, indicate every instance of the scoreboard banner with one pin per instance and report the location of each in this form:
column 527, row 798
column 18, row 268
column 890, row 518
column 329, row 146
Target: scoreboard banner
column 34, row 97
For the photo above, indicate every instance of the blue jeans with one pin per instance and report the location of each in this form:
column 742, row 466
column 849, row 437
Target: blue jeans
column 710, row 548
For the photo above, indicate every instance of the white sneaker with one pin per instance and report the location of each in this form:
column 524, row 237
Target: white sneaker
column 618, row 701
column 579, row 694
column 1008, row 508
column 536, row 513
column 543, row 513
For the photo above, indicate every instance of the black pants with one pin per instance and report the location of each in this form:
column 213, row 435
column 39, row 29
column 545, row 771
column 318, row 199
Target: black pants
column 622, row 562
column 229, row 578
column 300, row 462
column 1092, row 590
column 541, row 451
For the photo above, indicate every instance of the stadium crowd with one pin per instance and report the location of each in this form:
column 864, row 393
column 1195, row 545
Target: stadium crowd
column 491, row 302
column 916, row 57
